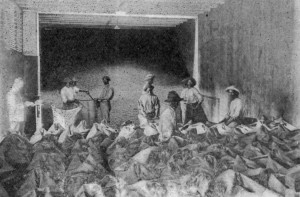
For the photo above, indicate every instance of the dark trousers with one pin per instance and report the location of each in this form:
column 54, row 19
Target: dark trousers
column 103, row 111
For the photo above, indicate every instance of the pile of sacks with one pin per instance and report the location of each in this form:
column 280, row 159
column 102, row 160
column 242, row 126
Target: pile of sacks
column 259, row 158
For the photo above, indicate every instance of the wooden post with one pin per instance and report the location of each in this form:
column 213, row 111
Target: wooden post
column 196, row 69
column 38, row 109
column 296, row 64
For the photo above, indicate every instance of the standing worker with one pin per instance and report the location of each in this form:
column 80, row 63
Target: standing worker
column 104, row 106
column 16, row 107
column 69, row 93
column 191, row 106
column 149, row 79
column 148, row 106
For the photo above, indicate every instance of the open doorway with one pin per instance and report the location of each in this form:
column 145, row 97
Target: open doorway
column 126, row 55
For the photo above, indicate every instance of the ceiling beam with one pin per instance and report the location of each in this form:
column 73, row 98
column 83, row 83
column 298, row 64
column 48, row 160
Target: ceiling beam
column 107, row 22
column 123, row 15
column 63, row 16
column 55, row 26
column 110, row 21
column 95, row 18
column 110, row 24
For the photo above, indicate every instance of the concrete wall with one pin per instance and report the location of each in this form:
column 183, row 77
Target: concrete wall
column 249, row 43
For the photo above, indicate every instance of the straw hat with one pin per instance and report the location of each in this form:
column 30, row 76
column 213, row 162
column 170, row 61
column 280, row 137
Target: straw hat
column 74, row 79
column 149, row 77
column 232, row 88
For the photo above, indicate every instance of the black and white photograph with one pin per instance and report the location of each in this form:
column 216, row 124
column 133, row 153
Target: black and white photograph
column 149, row 98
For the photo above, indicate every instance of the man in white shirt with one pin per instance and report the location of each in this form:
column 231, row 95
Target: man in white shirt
column 191, row 106
column 235, row 112
column 167, row 121
column 69, row 93
column 16, row 107
column 148, row 106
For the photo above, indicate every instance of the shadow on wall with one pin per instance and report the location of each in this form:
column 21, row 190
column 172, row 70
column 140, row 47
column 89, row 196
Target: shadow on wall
column 186, row 43
column 248, row 43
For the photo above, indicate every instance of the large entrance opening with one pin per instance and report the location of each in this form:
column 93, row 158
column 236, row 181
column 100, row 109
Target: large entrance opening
column 127, row 55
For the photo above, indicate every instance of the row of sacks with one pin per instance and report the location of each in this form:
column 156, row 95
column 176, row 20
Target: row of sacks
column 84, row 160
column 81, row 129
column 58, row 161
column 228, row 183
column 265, row 158
column 189, row 164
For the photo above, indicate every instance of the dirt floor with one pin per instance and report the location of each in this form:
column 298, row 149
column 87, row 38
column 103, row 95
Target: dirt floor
column 127, row 78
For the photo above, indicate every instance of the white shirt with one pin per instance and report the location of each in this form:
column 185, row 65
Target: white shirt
column 16, row 107
column 167, row 122
column 191, row 95
column 236, row 108
column 69, row 93
column 148, row 103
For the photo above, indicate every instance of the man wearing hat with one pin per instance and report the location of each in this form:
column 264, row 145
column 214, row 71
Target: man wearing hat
column 69, row 92
column 191, row 105
column 167, row 121
column 106, row 95
column 149, row 81
column 235, row 112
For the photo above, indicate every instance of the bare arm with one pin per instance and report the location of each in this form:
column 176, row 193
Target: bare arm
column 198, row 95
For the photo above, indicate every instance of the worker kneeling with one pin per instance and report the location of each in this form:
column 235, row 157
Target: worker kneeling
column 167, row 121
column 235, row 113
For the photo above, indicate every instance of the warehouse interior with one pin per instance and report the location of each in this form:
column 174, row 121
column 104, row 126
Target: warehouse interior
column 251, row 44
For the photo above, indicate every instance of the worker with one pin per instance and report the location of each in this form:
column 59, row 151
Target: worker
column 191, row 106
column 235, row 112
column 149, row 79
column 16, row 107
column 148, row 106
column 104, row 100
column 69, row 93
column 167, row 121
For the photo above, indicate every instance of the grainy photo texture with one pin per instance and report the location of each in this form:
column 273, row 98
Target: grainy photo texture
column 149, row 98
